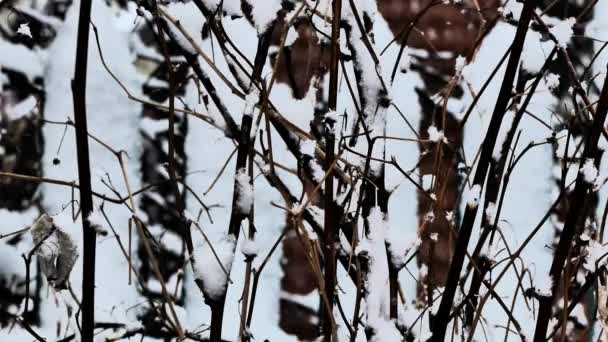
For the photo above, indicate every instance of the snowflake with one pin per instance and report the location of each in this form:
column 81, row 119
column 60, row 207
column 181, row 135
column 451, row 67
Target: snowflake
column 24, row 29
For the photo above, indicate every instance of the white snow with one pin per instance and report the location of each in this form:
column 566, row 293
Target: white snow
column 461, row 62
column 552, row 81
column 207, row 267
column 491, row 212
column 436, row 135
column 513, row 8
column 23, row 108
column 251, row 100
column 96, row 218
column 24, row 29
column 249, row 247
column 474, row 195
column 562, row 30
column 377, row 277
column 264, row 13
column 596, row 256
column 589, row 171
column 244, row 192
column 307, row 146
column 505, row 126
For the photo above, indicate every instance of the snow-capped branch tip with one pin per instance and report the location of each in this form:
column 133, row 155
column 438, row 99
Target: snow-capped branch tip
column 212, row 265
column 249, row 248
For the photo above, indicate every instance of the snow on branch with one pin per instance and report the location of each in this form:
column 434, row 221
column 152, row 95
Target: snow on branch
column 244, row 192
column 212, row 265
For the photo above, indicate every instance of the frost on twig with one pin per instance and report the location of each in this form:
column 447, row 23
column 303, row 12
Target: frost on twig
column 56, row 251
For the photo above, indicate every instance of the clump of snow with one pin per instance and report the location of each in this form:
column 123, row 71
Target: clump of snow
column 474, row 196
column 435, row 237
column 596, row 256
column 461, row 62
column 264, row 13
column 211, row 271
column 250, row 101
column 562, row 31
column 552, row 81
column 307, row 147
column 491, row 212
column 24, row 29
column 436, row 135
column 96, row 218
column 449, row 216
column 244, row 192
column 502, row 134
column 317, row 171
column 543, row 285
column 589, row 171
column 400, row 244
column 377, row 277
column 250, row 248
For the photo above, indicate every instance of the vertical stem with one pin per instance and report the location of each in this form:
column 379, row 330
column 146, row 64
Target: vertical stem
column 335, row 54
column 330, row 238
column 84, row 173
column 331, row 219
column 440, row 321
column 579, row 199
